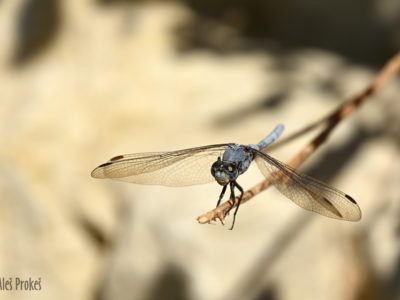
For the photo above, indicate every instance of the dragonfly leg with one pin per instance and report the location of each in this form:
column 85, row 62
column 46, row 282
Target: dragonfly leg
column 221, row 195
column 231, row 197
column 235, row 184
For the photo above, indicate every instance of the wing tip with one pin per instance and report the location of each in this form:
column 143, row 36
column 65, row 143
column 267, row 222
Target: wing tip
column 357, row 217
column 354, row 217
column 98, row 172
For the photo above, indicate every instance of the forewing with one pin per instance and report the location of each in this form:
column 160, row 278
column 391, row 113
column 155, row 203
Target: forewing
column 175, row 168
column 308, row 192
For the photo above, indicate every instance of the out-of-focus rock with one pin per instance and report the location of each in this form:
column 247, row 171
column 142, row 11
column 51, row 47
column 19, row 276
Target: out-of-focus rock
column 113, row 83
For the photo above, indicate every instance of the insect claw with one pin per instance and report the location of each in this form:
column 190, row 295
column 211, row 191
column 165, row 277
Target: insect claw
column 221, row 217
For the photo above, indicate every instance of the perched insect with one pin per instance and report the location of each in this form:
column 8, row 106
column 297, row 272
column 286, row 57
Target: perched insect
column 227, row 162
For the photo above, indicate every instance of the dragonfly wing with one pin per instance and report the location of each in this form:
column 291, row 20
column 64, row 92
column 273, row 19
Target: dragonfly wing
column 308, row 192
column 175, row 168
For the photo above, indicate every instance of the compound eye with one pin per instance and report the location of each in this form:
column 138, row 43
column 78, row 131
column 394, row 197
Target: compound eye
column 216, row 166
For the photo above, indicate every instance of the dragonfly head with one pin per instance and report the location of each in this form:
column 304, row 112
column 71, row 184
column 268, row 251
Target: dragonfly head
column 224, row 171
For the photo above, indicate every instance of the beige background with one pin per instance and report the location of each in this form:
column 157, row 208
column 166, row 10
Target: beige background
column 113, row 81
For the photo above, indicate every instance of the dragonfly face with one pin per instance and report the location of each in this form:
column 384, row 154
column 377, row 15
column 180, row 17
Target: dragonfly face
column 224, row 171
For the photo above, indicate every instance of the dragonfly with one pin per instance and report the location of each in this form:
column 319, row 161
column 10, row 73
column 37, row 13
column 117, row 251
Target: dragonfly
column 224, row 163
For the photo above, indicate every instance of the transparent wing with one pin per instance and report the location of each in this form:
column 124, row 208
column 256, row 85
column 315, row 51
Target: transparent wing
column 308, row 192
column 175, row 168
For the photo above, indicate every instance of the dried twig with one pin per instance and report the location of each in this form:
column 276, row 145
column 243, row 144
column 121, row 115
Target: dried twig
column 391, row 68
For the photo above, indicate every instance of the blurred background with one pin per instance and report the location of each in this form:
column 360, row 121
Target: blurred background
column 83, row 81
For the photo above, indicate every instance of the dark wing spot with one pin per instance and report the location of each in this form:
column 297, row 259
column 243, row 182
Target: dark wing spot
column 118, row 157
column 351, row 199
column 104, row 165
column 332, row 208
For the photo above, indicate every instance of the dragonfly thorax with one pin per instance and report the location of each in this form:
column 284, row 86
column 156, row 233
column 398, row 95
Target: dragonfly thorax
column 241, row 155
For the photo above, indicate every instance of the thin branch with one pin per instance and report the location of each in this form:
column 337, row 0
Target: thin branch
column 391, row 68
